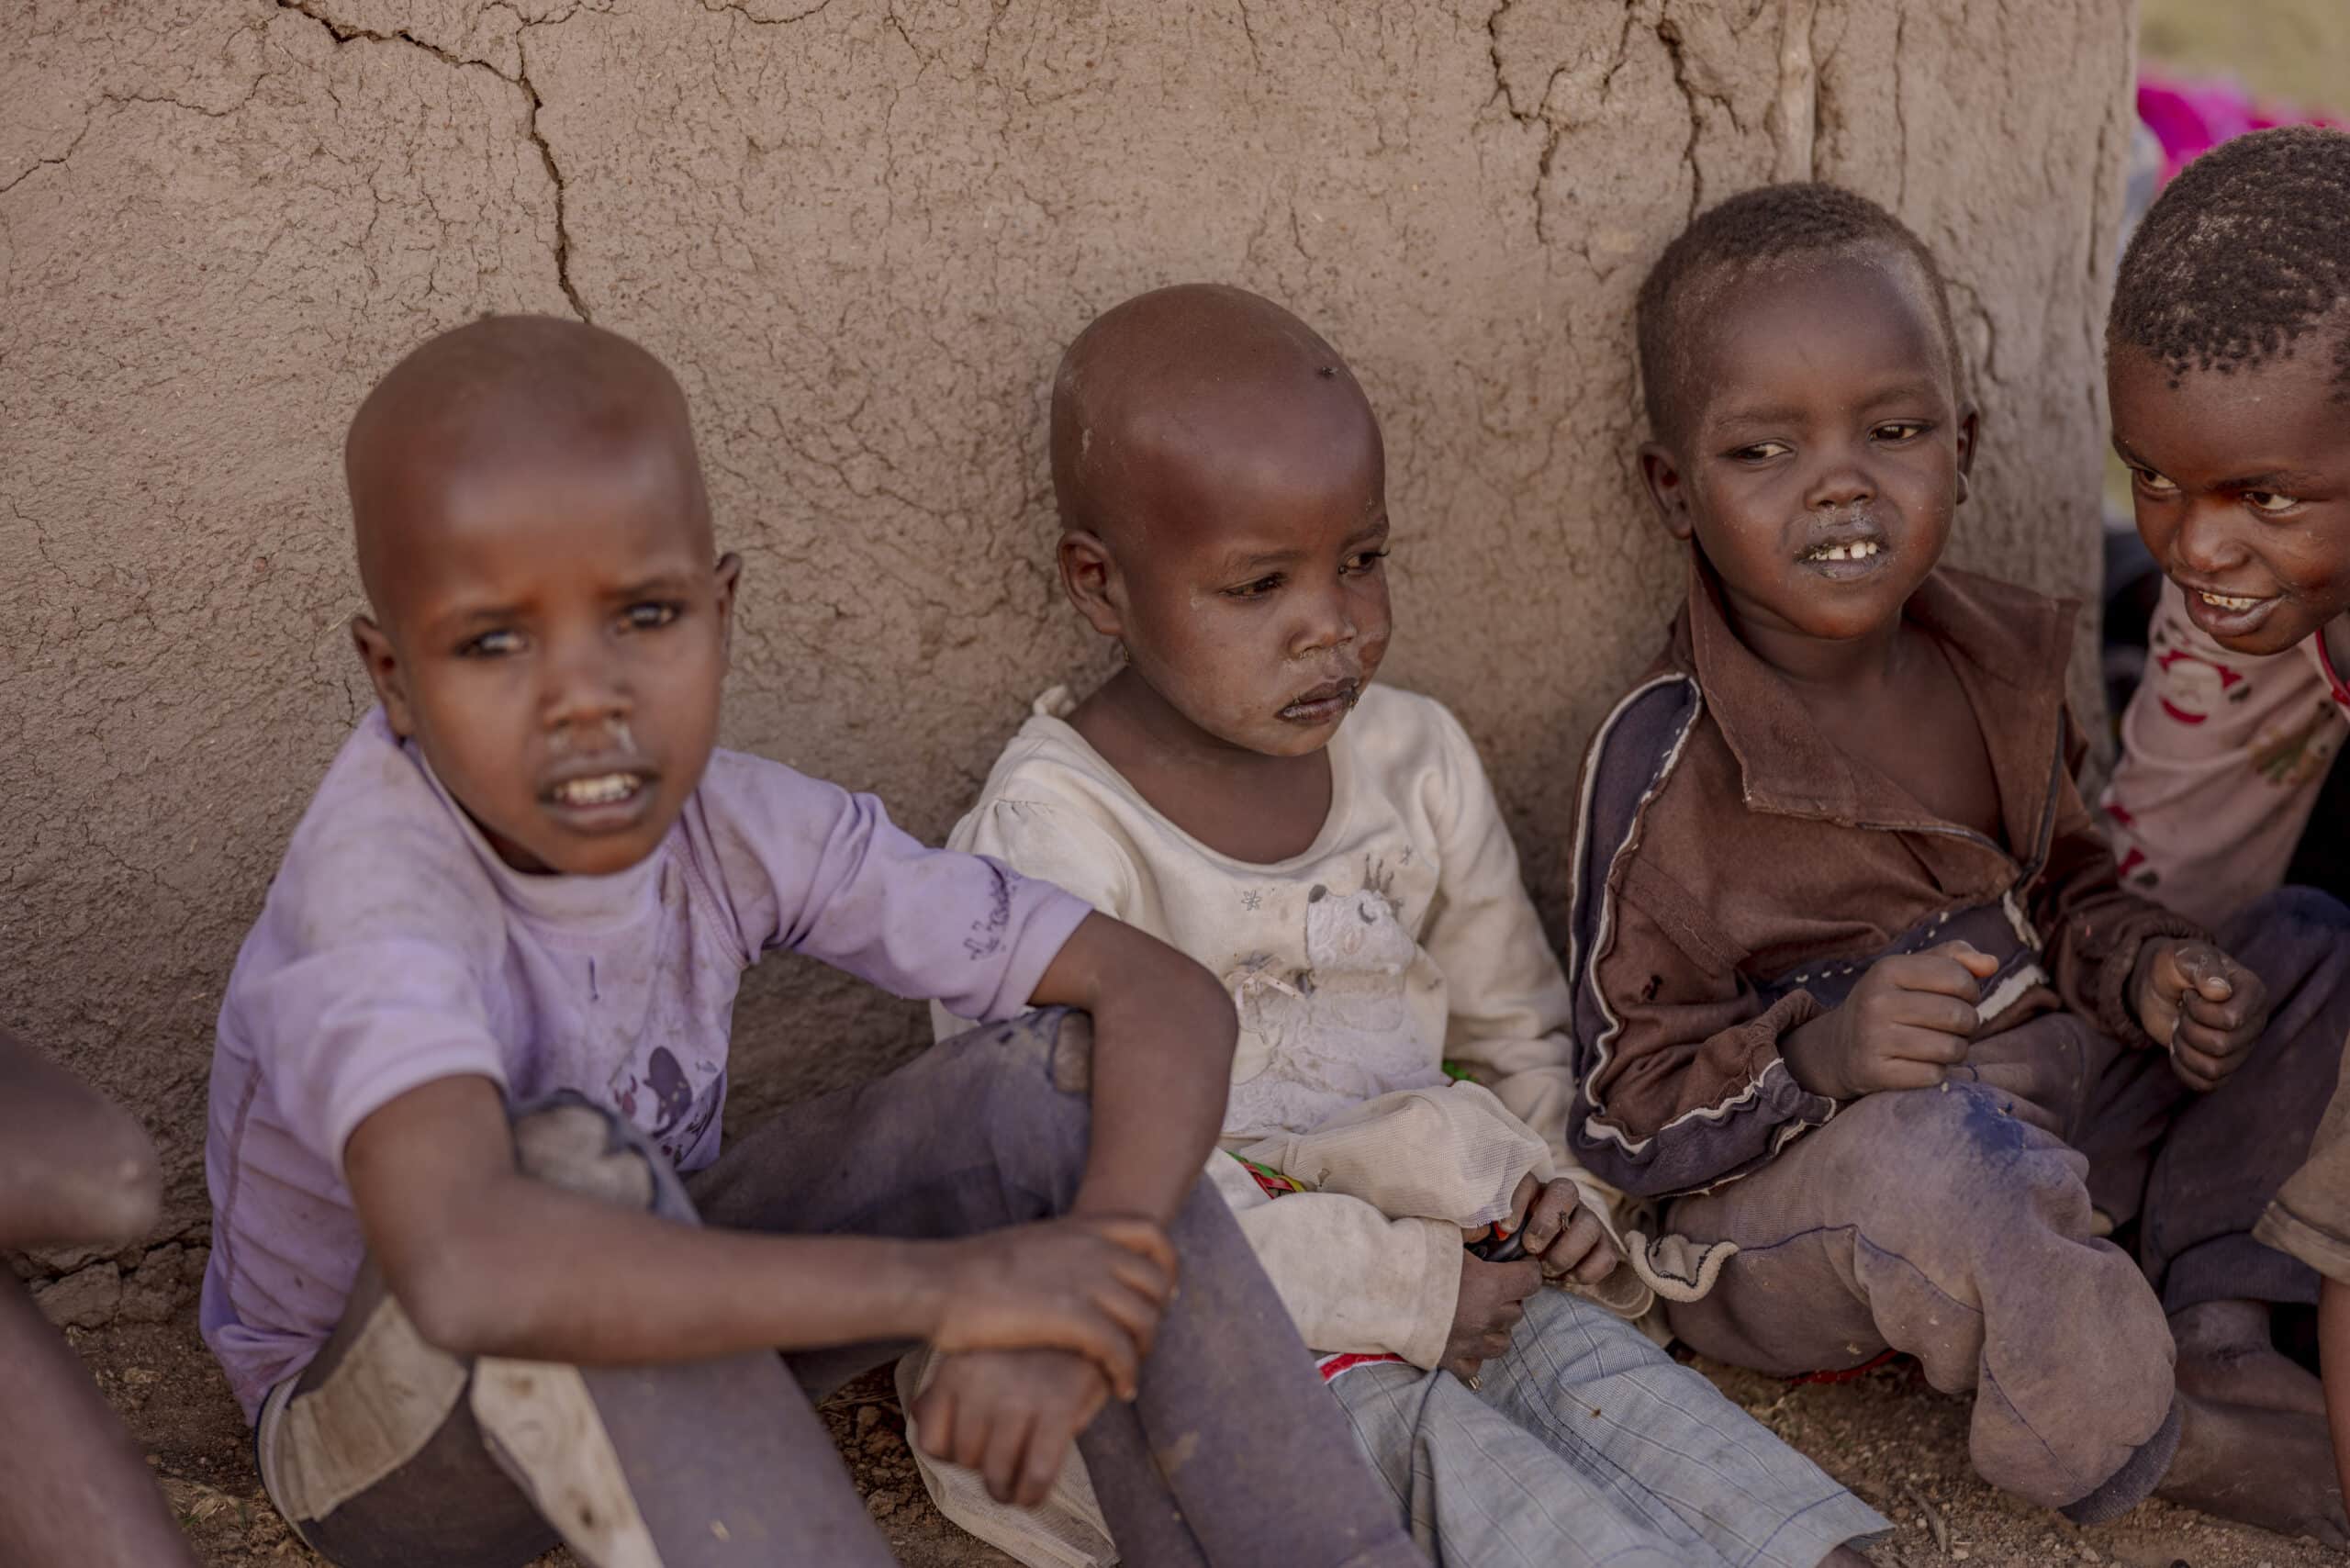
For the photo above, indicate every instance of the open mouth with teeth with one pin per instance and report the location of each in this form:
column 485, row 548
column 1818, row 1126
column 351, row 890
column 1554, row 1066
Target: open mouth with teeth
column 598, row 789
column 1859, row 550
column 2229, row 601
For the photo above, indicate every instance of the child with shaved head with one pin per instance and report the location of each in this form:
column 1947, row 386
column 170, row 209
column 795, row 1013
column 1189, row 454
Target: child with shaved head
column 481, row 1271
column 1244, row 789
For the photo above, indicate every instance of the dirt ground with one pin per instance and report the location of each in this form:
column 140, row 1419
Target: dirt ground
column 1889, row 1436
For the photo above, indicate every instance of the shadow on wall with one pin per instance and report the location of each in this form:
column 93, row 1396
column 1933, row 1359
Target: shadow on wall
column 860, row 231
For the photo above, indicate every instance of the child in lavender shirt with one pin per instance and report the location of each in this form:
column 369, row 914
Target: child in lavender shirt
column 466, row 1102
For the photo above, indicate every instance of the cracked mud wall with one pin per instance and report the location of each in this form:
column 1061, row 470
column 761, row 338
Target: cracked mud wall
column 859, row 229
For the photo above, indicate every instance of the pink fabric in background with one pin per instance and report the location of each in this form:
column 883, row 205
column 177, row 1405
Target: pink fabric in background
column 2191, row 117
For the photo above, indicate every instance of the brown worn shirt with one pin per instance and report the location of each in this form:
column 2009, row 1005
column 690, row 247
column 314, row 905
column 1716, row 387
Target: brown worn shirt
column 1737, row 873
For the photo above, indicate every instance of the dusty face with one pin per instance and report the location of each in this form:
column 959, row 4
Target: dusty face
column 1247, row 582
column 2242, row 486
column 553, row 637
column 1824, row 450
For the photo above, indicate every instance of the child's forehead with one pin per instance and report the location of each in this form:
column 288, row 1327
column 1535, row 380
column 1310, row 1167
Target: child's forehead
column 1770, row 318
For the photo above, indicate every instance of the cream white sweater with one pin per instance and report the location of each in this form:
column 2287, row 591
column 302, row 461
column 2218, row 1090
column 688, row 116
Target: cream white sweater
column 1402, row 937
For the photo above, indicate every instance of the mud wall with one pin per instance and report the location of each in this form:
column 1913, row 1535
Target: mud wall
column 859, row 229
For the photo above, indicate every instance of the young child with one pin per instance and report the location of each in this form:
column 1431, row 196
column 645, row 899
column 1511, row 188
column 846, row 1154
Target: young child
column 73, row 1488
column 1331, row 849
column 1853, row 973
column 465, row 1104
column 2228, row 362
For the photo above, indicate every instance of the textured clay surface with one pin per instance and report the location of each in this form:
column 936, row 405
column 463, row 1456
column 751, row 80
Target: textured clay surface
column 860, row 230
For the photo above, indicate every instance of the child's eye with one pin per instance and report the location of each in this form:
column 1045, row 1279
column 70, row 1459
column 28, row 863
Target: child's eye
column 1364, row 561
column 1761, row 452
column 649, row 615
column 2154, row 483
column 1901, row 430
column 2269, row 500
column 490, row 645
column 1256, row 589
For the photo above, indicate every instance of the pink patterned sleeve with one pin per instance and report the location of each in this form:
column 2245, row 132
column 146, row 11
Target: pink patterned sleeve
column 2221, row 757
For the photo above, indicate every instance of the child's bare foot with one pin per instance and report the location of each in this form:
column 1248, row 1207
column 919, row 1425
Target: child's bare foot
column 1844, row 1557
column 2225, row 1358
column 2271, row 1468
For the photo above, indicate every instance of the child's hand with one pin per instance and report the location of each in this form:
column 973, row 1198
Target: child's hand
column 1561, row 1234
column 1010, row 1414
column 1488, row 1310
column 2204, row 1005
column 1905, row 1026
column 1095, row 1286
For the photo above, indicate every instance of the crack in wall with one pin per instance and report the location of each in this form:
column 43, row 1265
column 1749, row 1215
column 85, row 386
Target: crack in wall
column 344, row 33
column 1668, row 33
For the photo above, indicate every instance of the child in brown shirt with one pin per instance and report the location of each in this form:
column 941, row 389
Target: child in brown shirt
column 1856, row 986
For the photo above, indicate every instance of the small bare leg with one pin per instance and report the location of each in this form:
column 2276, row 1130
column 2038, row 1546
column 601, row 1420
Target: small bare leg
column 2333, row 1356
column 73, row 1488
column 74, row 1168
column 2225, row 1358
column 1844, row 1557
column 2271, row 1468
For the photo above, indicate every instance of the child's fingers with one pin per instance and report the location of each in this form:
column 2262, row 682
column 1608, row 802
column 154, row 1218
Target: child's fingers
column 1907, row 1072
column 933, row 1416
column 1952, row 1017
column 2196, row 1035
column 1138, row 1234
column 1002, row 1456
column 1910, row 1042
column 1135, row 1314
column 1941, row 970
column 2201, row 1071
column 1141, row 1275
column 1978, row 964
column 1048, row 1443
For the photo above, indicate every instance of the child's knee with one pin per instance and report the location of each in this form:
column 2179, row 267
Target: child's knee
column 582, row 1148
column 2289, row 934
column 1026, row 1084
column 1948, row 1164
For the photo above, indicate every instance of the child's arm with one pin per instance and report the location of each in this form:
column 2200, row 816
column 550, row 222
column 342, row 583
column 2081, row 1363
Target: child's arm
column 487, row 1260
column 1163, row 1032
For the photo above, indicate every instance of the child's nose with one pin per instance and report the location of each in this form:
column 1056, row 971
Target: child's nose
column 2208, row 544
column 1842, row 482
column 585, row 685
column 1328, row 622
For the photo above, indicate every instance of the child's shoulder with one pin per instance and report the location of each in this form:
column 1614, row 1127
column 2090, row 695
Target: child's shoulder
column 1046, row 763
column 379, row 835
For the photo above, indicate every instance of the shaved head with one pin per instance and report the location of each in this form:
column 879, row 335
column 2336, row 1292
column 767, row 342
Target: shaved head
column 1198, row 378
column 507, row 392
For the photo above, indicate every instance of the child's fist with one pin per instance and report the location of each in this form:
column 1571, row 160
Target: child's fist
column 1562, row 1234
column 2204, row 1005
column 1904, row 1026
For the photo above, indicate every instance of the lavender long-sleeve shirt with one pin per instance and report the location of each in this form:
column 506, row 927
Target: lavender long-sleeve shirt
column 395, row 948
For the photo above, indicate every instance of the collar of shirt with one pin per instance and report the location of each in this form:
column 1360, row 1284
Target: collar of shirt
column 2009, row 648
column 582, row 906
column 2325, row 662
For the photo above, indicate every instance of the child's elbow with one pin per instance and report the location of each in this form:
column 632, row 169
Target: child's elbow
column 455, row 1301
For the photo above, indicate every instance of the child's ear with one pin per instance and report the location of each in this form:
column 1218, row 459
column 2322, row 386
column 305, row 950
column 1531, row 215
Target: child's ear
column 384, row 672
column 1090, row 578
column 730, row 575
column 1970, row 425
column 1667, row 490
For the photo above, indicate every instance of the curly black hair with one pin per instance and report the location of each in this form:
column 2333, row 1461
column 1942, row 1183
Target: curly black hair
column 1766, row 225
column 2244, row 255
